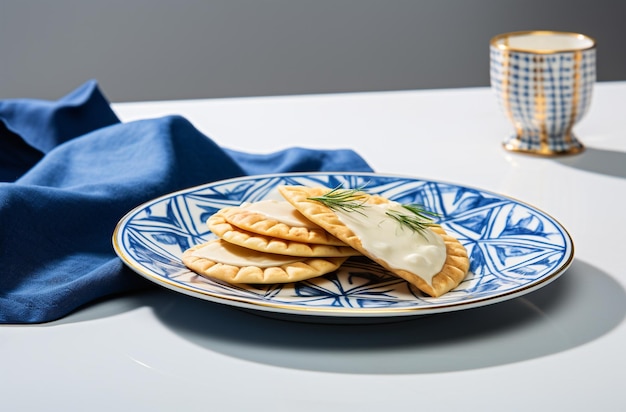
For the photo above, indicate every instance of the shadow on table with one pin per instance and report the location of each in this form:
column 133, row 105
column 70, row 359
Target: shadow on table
column 582, row 305
column 606, row 162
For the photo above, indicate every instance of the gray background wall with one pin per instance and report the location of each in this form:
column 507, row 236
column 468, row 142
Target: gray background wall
column 177, row 49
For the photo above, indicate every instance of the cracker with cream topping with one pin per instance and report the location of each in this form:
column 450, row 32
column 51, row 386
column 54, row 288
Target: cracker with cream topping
column 234, row 264
column 219, row 225
column 456, row 263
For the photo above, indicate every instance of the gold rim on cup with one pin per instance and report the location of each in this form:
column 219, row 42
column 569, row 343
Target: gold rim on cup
column 496, row 41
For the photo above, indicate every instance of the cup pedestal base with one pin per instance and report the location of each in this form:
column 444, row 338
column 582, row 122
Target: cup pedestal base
column 518, row 146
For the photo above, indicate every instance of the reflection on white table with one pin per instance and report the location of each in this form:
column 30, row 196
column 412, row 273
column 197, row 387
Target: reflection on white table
column 558, row 348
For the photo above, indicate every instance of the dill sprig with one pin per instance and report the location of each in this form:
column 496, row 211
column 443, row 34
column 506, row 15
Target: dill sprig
column 418, row 220
column 348, row 200
column 417, row 217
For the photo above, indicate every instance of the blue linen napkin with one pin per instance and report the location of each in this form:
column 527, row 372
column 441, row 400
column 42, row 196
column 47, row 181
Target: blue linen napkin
column 69, row 170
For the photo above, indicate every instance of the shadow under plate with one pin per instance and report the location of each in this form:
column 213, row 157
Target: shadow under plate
column 577, row 308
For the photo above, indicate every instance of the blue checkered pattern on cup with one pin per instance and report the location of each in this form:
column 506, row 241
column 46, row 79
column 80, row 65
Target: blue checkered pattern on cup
column 543, row 95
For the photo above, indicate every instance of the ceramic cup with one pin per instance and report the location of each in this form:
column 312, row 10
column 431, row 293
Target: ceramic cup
column 543, row 81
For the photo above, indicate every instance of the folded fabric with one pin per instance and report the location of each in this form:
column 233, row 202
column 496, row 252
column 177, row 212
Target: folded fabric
column 70, row 169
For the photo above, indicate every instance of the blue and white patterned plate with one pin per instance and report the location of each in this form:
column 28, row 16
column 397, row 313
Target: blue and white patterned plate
column 513, row 248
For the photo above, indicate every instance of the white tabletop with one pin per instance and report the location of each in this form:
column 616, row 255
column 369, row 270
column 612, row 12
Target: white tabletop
column 558, row 348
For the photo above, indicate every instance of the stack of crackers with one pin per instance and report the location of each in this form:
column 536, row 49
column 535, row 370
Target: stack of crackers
column 253, row 247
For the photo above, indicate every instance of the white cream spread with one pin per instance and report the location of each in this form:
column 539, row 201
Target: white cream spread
column 422, row 253
column 229, row 254
column 281, row 211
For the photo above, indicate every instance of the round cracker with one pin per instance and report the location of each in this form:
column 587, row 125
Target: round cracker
column 261, row 224
column 454, row 269
column 292, row 271
column 222, row 228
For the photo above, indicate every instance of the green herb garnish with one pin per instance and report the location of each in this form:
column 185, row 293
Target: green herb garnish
column 348, row 200
column 417, row 217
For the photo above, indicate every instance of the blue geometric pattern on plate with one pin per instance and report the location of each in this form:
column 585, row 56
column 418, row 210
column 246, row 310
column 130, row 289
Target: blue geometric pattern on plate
column 513, row 247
